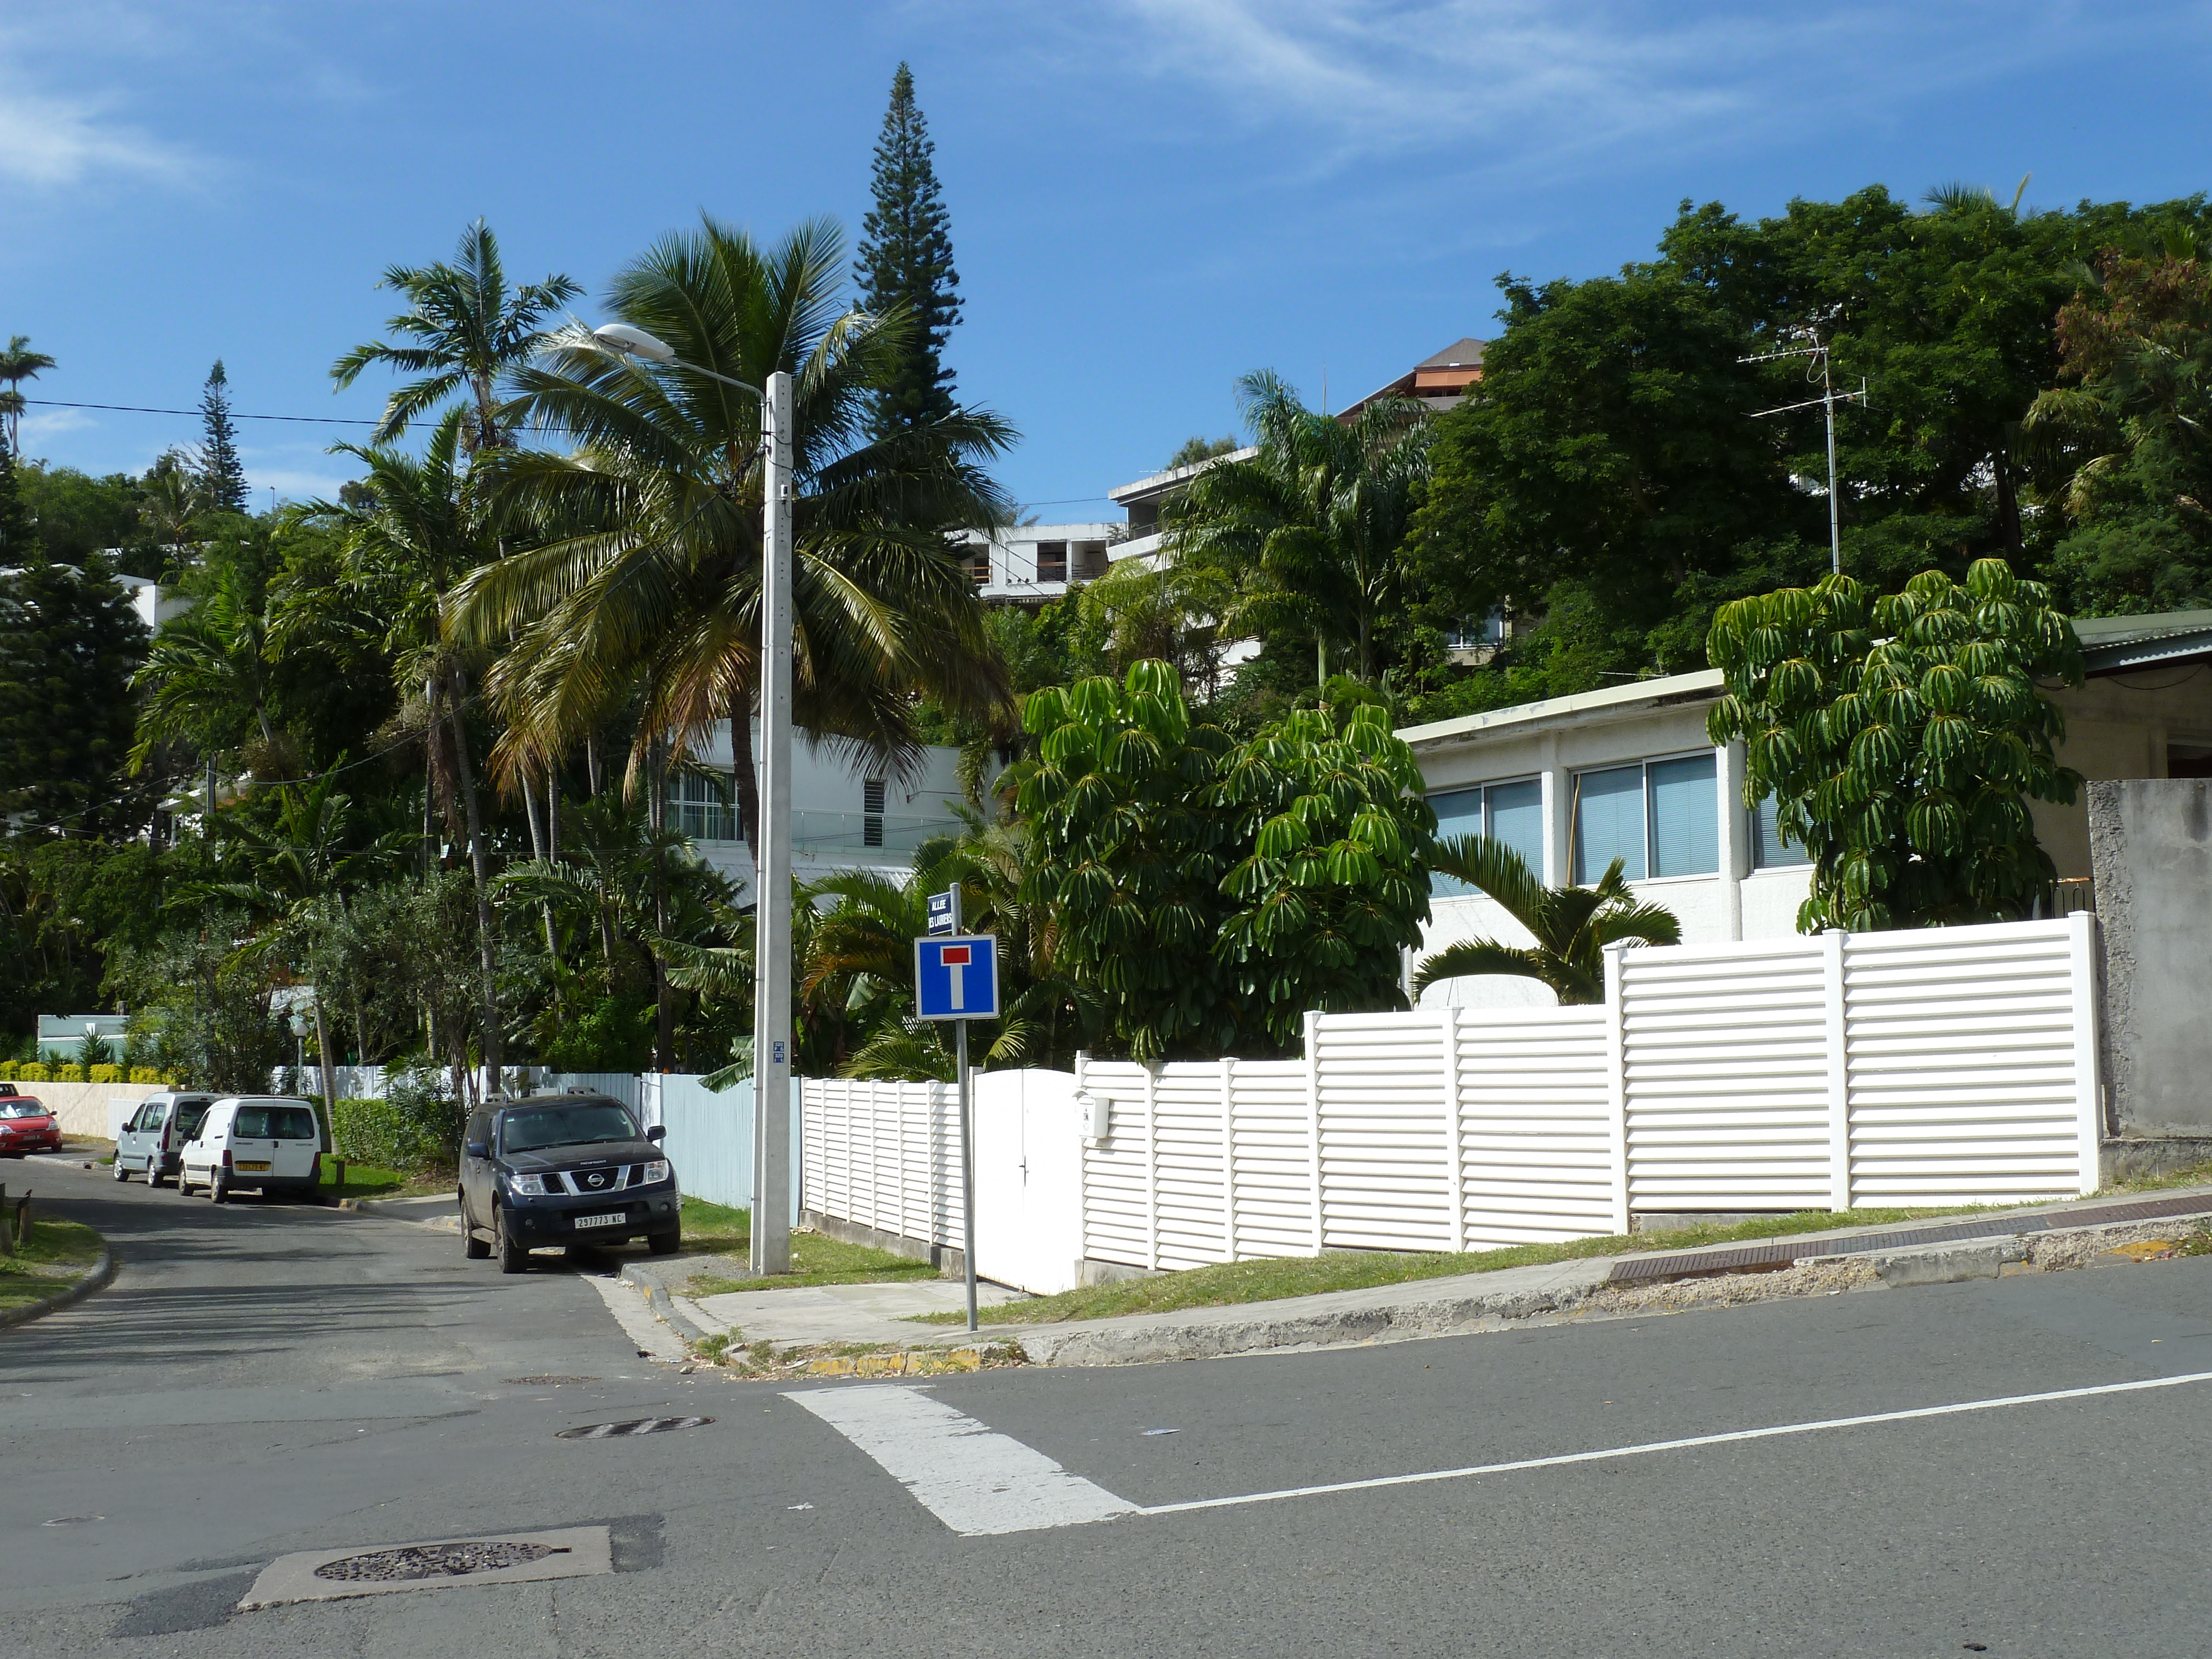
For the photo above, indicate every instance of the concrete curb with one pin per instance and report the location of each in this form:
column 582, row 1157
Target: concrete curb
column 1356, row 1316
column 102, row 1271
column 658, row 1298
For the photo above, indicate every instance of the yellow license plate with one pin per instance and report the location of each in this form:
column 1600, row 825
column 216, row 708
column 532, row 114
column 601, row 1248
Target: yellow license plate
column 258, row 1167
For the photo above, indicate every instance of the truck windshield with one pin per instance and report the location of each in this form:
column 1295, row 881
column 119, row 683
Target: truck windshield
column 566, row 1126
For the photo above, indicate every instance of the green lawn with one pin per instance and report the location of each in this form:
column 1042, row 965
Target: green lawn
column 57, row 1254
column 716, row 1229
column 367, row 1181
column 1238, row 1282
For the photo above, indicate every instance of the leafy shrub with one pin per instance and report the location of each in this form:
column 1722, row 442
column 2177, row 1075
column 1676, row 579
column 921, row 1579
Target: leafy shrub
column 106, row 1075
column 414, row 1127
column 33, row 1073
column 149, row 1074
column 8, row 1069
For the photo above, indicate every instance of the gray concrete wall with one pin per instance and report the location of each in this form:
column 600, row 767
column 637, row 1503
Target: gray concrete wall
column 2150, row 847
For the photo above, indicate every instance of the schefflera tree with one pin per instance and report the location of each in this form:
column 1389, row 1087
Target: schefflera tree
column 1902, row 739
column 1210, row 893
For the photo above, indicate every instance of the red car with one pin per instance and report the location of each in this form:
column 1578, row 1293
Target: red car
column 27, row 1126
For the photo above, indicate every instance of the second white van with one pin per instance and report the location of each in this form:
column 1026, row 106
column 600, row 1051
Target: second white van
column 272, row 1145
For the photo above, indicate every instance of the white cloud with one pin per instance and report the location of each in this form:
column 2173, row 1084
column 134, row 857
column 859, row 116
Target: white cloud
column 63, row 121
column 37, row 428
column 47, row 142
column 1534, row 79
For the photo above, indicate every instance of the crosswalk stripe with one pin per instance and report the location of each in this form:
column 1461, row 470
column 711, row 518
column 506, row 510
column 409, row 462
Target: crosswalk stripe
column 976, row 1481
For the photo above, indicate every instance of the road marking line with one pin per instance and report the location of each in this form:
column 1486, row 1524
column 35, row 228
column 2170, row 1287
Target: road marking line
column 976, row 1480
column 1676, row 1445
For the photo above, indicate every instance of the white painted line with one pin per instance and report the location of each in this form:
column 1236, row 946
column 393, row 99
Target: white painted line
column 974, row 1479
column 637, row 1318
column 1677, row 1445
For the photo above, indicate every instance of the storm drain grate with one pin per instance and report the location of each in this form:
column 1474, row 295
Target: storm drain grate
column 544, row 1381
column 436, row 1560
column 636, row 1425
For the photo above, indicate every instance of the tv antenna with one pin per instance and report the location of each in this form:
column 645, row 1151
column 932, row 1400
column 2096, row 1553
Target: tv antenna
column 1827, row 400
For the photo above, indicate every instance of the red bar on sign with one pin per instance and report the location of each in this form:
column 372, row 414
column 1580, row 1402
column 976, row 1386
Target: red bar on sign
column 954, row 956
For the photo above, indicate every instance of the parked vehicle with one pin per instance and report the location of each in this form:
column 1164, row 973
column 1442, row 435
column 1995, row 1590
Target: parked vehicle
column 27, row 1126
column 564, row 1170
column 265, row 1142
column 152, row 1142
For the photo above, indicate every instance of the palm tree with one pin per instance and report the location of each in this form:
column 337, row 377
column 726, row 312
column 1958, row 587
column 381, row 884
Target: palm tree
column 208, row 679
column 172, row 503
column 468, row 331
column 1311, row 524
column 18, row 363
column 420, row 532
column 1571, row 925
column 649, row 571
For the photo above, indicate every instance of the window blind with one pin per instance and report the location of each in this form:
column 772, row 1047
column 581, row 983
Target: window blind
column 1609, row 823
column 1685, row 821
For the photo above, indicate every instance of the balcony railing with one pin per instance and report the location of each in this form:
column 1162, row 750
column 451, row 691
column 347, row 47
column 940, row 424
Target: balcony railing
column 823, row 835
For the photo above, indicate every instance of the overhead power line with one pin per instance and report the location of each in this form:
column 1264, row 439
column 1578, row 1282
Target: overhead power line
column 134, row 409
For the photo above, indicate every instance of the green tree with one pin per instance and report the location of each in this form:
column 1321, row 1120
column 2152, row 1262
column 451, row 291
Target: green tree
column 1311, row 525
column 466, row 331
column 1902, row 739
column 1207, row 895
column 1196, row 451
column 18, row 535
column 222, row 475
column 2131, row 423
column 904, row 266
column 79, row 515
column 18, row 363
column 1570, row 926
column 649, row 572
column 69, row 644
column 205, row 1008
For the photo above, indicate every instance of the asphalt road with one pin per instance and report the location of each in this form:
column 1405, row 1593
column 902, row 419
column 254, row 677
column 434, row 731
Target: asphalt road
column 260, row 1380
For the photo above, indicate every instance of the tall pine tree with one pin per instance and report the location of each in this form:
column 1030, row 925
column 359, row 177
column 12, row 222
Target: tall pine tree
column 221, row 474
column 906, row 260
column 19, row 537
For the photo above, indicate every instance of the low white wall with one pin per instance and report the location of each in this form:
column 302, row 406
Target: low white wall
column 94, row 1109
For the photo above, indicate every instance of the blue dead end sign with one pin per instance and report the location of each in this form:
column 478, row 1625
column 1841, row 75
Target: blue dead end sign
column 956, row 976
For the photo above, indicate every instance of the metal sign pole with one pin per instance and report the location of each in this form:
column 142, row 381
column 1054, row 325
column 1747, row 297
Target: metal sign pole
column 967, row 1131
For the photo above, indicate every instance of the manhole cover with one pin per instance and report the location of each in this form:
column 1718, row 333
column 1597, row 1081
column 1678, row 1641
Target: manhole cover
column 547, row 1381
column 436, row 1561
column 638, row 1425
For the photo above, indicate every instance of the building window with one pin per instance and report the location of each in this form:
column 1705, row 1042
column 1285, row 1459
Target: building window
column 978, row 563
column 1658, row 817
column 872, row 809
column 1052, row 561
column 1090, row 561
column 698, row 807
column 1510, row 812
column 1769, row 851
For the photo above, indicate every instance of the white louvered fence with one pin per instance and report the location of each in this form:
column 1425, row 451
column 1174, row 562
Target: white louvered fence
column 1939, row 1066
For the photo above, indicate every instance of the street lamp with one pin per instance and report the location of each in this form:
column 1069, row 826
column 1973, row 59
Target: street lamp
column 771, row 1194
column 299, row 1023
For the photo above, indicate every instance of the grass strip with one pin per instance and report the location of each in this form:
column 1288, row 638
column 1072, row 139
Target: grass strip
column 56, row 1256
column 816, row 1259
column 1233, row 1283
column 368, row 1180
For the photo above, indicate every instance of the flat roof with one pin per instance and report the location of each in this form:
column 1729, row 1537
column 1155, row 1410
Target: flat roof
column 1160, row 483
column 1660, row 691
column 2110, row 644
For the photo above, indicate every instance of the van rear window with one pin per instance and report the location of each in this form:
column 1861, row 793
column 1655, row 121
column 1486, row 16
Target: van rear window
column 274, row 1123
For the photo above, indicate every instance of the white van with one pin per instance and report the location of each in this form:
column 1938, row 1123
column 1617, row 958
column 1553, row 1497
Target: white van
column 253, row 1140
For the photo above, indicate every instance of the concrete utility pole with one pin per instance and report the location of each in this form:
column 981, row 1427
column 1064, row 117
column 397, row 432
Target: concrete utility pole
column 1827, row 400
column 771, row 1236
column 771, row 1194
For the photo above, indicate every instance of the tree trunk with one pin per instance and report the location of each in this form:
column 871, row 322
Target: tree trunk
column 480, row 865
column 746, row 780
column 592, row 763
column 429, row 775
column 537, row 852
column 664, row 1040
column 328, row 1071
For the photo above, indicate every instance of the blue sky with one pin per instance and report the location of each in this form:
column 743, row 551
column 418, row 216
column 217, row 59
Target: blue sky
column 1149, row 197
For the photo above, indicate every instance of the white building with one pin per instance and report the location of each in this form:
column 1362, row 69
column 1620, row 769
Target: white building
column 1031, row 563
column 844, row 815
column 1628, row 772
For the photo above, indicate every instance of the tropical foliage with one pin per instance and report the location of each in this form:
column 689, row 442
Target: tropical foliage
column 1902, row 739
column 1570, row 926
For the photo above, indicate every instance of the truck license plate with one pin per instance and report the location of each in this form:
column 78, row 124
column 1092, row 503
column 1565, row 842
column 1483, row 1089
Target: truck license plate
column 616, row 1219
column 256, row 1167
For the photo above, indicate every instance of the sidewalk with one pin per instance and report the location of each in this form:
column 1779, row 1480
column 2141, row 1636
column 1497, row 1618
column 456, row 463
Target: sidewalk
column 1910, row 1252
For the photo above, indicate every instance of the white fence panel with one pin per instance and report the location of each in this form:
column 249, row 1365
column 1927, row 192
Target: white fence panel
column 1118, row 1171
column 1271, row 1159
column 1387, row 1161
column 1725, row 1076
column 1536, row 1126
column 1966, row 1081
column 886, row 1156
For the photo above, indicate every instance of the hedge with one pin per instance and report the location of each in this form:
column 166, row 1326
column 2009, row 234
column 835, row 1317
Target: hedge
column 27, row 1070
column 410, row 1132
